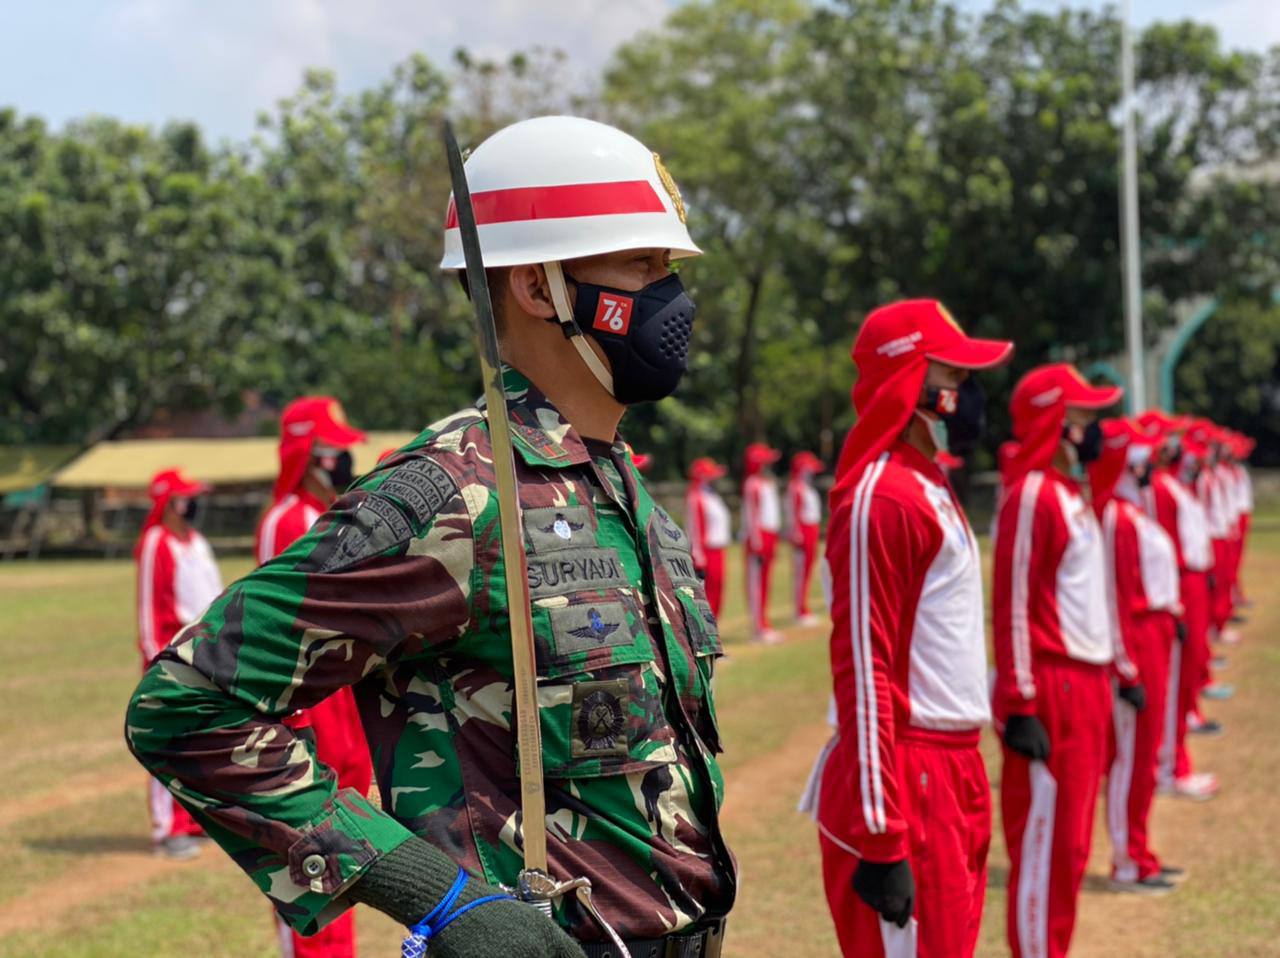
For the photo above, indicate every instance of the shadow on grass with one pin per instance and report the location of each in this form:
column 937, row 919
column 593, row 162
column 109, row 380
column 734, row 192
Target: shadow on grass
column 998, row 877
column 86, row 845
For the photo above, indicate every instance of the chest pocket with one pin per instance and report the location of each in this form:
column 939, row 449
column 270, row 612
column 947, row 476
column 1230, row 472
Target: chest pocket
column 599, row 694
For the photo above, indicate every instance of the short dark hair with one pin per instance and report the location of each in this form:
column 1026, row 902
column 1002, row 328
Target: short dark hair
column 496, row 280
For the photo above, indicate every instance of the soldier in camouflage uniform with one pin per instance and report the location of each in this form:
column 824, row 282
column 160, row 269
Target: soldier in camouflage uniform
column 398, row 591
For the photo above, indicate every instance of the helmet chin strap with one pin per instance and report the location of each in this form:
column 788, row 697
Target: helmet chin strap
column 572, row 332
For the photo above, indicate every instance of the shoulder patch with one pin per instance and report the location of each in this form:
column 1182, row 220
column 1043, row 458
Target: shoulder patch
column 422, row 485
column 388, row 516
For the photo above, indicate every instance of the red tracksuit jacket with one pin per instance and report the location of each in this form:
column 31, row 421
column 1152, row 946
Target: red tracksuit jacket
column 177, row 579
column 1179, row 512
column 1142, row 577
column 1047, row 594
column 907, row 645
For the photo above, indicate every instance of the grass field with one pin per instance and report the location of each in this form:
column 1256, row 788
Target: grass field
column 79, row 879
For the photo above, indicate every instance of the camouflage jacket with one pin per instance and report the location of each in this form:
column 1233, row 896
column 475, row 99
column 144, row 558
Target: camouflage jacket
column 398, row 590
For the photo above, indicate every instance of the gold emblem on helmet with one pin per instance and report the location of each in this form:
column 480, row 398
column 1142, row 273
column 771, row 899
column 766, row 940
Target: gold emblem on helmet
column 672, row 190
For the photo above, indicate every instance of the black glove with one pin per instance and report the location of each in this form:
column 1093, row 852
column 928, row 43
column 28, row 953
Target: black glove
column 1180, row 630
column 1026, row 736
column 1135, row 695
column 409, row 881
column 888, row 887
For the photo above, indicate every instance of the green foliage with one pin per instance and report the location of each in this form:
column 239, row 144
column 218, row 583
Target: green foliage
column 834, row 156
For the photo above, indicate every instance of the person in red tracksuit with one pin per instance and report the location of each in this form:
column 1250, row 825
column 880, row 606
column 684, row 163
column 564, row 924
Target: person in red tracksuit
column 761, row 522
column 1241, row 447
column 1053, row 648
column 1214, row 498
column 1227, row 484
column 900, row 793
column 804, row 525
column 177, row 579
column 315, row 468
column 709, row 526
column 1172, row 502
column 1143, row 599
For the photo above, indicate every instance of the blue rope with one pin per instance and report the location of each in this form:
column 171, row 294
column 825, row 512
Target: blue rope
column 420, row 935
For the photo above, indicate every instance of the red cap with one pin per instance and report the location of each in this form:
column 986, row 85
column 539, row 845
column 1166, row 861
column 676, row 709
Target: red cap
column 306, row 423
column 164, row 486
column 892, row 353
column 759, row 455
column 706, row 470
column 174, row 482
column 1118, row 436
column 805, row 461
column 1158, row 422
column 913, row 328
column 1038, row 409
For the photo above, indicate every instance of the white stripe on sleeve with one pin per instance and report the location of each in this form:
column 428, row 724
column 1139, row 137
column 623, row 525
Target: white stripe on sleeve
column 1020, row 625
column 860, row 637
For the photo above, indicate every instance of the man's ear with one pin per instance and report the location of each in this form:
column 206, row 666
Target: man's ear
column 531, row 290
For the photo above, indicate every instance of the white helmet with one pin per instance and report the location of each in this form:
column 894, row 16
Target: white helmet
column 560, row 187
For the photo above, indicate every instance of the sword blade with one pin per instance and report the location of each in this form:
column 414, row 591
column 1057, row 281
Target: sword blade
column 528, row 731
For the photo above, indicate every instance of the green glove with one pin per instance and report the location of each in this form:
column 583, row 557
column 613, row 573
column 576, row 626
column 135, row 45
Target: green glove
column 410, row 880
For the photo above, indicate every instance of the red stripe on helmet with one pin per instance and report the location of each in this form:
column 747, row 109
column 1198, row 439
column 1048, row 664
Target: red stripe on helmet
column 560, row 202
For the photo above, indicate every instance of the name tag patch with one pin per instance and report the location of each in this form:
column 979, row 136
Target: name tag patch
column 573, row 570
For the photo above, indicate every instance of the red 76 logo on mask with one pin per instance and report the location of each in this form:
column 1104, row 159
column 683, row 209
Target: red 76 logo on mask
column 613, row 314
column 947, row 401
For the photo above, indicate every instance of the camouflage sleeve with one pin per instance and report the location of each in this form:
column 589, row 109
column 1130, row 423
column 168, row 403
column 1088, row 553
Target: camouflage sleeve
column 384, row 575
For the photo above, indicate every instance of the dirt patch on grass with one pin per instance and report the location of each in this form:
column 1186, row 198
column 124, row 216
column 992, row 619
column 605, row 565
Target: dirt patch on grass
column 46, row 904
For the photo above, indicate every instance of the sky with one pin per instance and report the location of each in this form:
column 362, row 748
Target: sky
column 220, row 62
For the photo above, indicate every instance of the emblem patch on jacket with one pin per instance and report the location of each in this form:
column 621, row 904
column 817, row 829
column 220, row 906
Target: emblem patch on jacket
column 600, row 718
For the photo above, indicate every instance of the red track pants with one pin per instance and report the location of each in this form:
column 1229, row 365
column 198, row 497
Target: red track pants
column 1224, row 581
column 1188, row 674
column 1047, row 807
column 340, row 744
column 1240, row 544
column 714, row 582
column 805, row 556
column 946, row 801
column 759, row 566
column 1136, row 737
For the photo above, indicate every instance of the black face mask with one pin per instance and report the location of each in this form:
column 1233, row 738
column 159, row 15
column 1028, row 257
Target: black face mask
column 341, row 472
column 1143, row 474
column 963, row 410
column 1087, row 440
column 191, row 512
column 645, row 335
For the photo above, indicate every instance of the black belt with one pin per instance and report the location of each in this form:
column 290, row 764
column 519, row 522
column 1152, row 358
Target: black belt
column 706, row 942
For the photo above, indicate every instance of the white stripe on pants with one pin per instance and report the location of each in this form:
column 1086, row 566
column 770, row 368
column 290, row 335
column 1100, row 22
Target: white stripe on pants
column 1037, row 858
column 1169, row 741
column 1119, row 782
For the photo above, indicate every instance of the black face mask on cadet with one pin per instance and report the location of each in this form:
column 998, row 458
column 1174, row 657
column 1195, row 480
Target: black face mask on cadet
column 340, row 470
column 644, row 333
column 191, row 511
column 963, row 410
column 1086, row 439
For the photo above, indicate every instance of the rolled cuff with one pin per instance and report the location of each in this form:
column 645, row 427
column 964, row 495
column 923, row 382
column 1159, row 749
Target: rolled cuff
column 330, row 856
